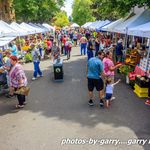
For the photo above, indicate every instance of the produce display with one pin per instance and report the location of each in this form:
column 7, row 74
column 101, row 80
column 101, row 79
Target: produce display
column 125, row 69
column 28, row 57
column 25, row 48
column 132, row 57
column 141, row 81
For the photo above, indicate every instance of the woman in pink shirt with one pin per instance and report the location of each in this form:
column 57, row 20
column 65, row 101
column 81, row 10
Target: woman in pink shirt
column 18, row 79
column 109, row 66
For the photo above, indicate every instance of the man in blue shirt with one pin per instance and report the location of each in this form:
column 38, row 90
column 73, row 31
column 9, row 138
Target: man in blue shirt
column 94, row 76
column 13, row 48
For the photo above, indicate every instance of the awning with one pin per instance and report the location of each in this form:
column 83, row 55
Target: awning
column 6, row 40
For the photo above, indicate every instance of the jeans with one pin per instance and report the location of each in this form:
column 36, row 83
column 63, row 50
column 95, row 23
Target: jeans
column 89, row 54
column 68, row 54
column 83, row 47
column 65, row 48
column 37, row 69
column 96, row 49
column 21, row 99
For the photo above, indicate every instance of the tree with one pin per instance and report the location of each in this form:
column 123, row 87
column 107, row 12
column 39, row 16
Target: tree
column 114, row 9
column 82, row 12
column 36, row 10
column 61, row 19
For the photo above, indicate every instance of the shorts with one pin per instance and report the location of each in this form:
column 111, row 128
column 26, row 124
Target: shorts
column 98, row 83
column 108, row 96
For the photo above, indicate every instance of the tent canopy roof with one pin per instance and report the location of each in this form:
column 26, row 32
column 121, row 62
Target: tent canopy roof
column 5, row 40
column 137, row 19
column 6, row 29
column 109, row 27
column 75, row 25
column 141, row 30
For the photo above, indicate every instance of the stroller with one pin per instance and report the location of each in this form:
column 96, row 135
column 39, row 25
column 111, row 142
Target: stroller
column 3, row 80
column 3, row 84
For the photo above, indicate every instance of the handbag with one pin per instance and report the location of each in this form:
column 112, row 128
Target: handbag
column 24, row 90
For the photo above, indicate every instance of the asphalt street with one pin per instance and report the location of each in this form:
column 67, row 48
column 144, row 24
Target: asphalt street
column 57, row 115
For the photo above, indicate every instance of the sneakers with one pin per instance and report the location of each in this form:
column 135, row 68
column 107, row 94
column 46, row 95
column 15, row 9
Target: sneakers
column 147, row 102
column 113, row 98
column 19, row 106
column 101, row 103
column 34, row 78
column 91, row 102
column 38, row 76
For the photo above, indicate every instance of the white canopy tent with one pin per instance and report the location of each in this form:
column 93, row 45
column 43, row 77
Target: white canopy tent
column 48, row 26
column 21, row 31
column 30, row 28
column 101, row 24
column 74, row 25
column 39, row 28
column 6, row 30
column 6, row 40
column 86, row 25
column 30, row 31
column 94, row 25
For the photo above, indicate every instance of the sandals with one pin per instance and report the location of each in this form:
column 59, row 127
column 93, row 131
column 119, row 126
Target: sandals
column 19, row 106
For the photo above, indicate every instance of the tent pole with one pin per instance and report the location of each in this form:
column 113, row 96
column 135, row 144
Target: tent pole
column 148, row 55
column 126, row 38
column 19, row 42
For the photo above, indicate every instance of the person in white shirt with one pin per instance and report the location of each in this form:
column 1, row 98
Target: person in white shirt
column 109, row 90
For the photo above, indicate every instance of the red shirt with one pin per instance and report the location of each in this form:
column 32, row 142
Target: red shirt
column 64, row 40
column 49, row 44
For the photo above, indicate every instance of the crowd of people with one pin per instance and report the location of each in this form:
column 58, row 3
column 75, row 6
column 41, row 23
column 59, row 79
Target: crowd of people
column 101, row 55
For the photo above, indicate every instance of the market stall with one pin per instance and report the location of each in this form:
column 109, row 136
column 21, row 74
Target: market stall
column 139, row 58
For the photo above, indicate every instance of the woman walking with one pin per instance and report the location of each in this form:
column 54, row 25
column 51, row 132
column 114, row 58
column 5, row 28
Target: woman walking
column 18, row 80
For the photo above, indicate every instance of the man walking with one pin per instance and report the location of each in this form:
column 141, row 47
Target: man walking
column 94, row 76
column 36, row 61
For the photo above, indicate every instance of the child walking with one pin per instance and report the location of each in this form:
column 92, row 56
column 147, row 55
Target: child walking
column 109, row 91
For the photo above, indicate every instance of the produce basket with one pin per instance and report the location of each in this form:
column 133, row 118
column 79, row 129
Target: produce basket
column 142, row 81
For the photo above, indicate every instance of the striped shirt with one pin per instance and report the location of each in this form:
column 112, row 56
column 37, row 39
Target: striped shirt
column 17, row 76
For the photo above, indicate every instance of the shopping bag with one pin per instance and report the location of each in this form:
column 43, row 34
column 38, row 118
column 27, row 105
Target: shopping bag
column 23, row 90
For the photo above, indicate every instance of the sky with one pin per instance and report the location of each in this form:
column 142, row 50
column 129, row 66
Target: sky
column 68, row 7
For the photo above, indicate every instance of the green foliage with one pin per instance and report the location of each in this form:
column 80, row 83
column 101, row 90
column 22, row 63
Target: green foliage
column 61, row 19
column 36, row 10
column 82, row 12
column 114, row 9
column 125, row 69
column 28, row 57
